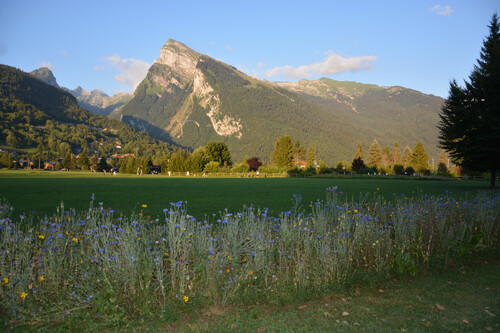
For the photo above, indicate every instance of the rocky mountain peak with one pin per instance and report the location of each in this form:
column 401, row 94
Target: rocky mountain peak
column 44, row 74
column 180, row 58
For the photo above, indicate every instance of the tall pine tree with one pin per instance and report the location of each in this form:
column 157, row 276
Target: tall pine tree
column 311, row 156
column 396, row 153
column 374, row 154
column 419, row 158
column 407, row 157
column 282, row 155
column 359, row 151
column 470, row 118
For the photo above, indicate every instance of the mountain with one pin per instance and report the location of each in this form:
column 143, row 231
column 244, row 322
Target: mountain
column 32, row 111
column 45, row 75
column 95, row 101
column 189, row 99
column 98, row 102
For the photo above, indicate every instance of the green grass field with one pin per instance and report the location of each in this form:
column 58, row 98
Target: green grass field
column 42, row 192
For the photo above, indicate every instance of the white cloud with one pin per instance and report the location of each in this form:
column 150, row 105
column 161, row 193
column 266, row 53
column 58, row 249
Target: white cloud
column 131, row 71
column 442, row 10
column 64, row 52
column 230, row 48
column 46, row 64
column 333, row 64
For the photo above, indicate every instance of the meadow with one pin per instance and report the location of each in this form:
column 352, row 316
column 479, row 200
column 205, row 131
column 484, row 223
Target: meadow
column 42, row 192
column 338, row 247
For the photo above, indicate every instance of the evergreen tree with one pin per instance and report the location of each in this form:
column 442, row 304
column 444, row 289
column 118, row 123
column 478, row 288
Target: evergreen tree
column 311, row 156
column 359, row 151
column 407, row 157
column 386, row 157
column 103, row 164
column 470, row 119
column 374, row 154
column 83, row 160
column 396, row 153
column 73, row 162
column 298, row 152
column 147, row 163
column 282, row 155
column 419, row 158
column 357, row 164
column 66, row 162
column 94, row 162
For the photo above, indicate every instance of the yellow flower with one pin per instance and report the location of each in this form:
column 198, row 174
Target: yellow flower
column 75, row 239
column 378, row 189
column 355, row 211
column 6, row 280
column 42, row 278
column 144, row 206
column 41, row 236
column 24, row 295
column 186, row 299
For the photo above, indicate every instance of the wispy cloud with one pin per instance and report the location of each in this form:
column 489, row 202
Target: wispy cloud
column 230, row 48
column 441, row 10
column 64, row 52
column 333, row 64
column 131, row 71
column 46, row 64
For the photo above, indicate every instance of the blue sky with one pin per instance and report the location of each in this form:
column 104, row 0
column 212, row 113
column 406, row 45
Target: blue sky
column 109, row 45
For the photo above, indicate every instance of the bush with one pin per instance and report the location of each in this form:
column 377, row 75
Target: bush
column 409, row 171
column 399, row 169
column 442, row 168
column 365, row 171
column 212, row 167
column 240, row 167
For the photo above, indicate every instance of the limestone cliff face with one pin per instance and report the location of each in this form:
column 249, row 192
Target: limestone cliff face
column 223, row 124
column 177, row 68
column 180, row 59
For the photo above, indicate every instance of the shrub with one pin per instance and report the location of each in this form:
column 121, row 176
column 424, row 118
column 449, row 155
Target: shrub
column 212, row 166
column 409, row 171
column 399, row 169
column 240, row 167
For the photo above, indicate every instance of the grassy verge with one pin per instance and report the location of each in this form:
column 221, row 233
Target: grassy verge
column 463, row 299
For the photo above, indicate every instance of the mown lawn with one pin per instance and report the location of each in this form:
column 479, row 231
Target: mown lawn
column 42, row 192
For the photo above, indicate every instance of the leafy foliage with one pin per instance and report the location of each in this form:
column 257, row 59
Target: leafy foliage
column 254, row 163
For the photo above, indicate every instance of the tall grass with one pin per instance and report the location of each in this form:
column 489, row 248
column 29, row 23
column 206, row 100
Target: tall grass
column 123, row 268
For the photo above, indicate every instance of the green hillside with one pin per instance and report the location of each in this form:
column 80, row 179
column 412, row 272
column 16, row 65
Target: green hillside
column 33, row 112
column 189, row 99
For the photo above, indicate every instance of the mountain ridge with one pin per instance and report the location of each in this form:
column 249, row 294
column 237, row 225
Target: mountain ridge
column 190, row 98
